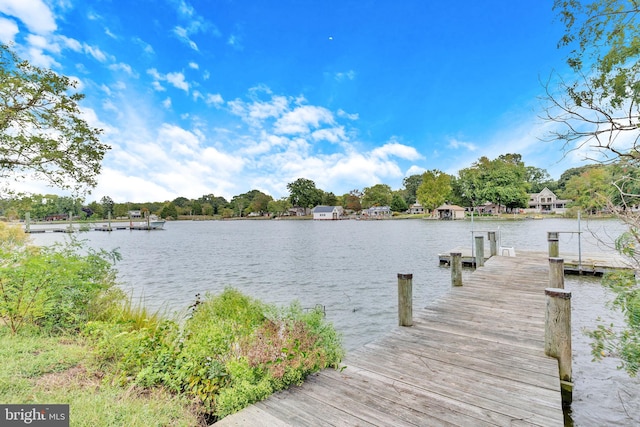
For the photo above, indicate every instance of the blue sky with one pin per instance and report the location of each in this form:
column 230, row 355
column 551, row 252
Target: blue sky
column 199, row 97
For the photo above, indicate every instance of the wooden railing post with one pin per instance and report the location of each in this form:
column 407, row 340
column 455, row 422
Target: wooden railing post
column 405, row 299
column 554, row 244
column 556, row 273
column 456, row 269
column 27, row 221
column 493, row 249
column 479, row 251
column 557, row 336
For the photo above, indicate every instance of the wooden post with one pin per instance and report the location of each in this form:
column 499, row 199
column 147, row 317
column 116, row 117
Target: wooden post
column 405, row 299
column 493, row 249
column 109, row 220
column 479, row 251
column 456, row 268
column 554, row 244
column 27, row 220
column 557, row 336
column 556, row 273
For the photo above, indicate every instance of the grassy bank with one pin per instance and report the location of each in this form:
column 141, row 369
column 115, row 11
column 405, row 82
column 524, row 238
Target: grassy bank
column 36, row 368
column 69, row 335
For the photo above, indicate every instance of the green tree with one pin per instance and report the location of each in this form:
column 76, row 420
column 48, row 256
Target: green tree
column 538, row 179
column 398, row 202
column 329, row 199
column 598, row 109
column 601, row 102
column 504, row 181
column 260, row 202
column 590, row 190
column 42, row 132
column 411, row 184
column 467, row 187
column 376, row 195
column 169, row 211
column 107, row 206
column 279, row 207
column 303, row 193
column 434, row 190
column 351, row 200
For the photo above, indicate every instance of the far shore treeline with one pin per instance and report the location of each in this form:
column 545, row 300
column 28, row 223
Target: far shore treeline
column 505, row 181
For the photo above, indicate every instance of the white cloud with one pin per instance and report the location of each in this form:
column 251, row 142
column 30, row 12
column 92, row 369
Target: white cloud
column 455, row 143
column 396, row 150
column 183, row 35
column 177, row 80
column 8, row 30
column 302, row 119
column 95, row 52
column 214, row 99
column 166, row 103
column 194, row 65
column 349, row 75
column 35, row 14
column 121, row 66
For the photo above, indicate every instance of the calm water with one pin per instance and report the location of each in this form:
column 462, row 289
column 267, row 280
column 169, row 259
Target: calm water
column 350, row 267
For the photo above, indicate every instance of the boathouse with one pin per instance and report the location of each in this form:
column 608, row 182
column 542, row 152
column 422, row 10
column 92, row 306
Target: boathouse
column 450, row 212
column 328, row 212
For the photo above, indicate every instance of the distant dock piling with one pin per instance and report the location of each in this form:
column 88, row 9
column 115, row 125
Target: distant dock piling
column 405, row 299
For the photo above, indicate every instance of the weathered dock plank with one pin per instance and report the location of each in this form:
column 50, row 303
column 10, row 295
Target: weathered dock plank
column 474, row 357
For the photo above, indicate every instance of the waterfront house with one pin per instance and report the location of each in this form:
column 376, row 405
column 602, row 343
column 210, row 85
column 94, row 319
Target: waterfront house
column 546, row 202
column 328, row 212
column 416, row 208
column 297, row 211
column 378, row 211
column 450, row 212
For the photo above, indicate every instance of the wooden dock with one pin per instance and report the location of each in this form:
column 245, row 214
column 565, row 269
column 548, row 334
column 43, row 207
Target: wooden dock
column 594, row 264
column 473, row 358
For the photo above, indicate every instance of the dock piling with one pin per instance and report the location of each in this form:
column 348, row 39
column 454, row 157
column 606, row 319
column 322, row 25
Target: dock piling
column 479, row 251
column 456, row 268
column 556, row 273
column 493, row 249
column 554, row 244
column 405, row 299
column 557, row 336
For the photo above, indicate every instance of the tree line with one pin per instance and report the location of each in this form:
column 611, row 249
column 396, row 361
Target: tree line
column 505, row 181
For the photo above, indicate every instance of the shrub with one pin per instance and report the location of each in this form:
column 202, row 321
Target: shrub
column 624, row 343
column 53, row 288
column 231, row 352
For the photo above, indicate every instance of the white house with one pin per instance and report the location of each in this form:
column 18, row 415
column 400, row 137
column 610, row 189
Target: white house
column 378, row 211
column 416, row 208
column 546, row 202
column 328, row 212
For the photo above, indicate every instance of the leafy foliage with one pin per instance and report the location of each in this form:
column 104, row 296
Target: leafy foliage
column 598, row 107
column 624, row 343
column 232, row 351
column 377, row 195
column 303, row 193
column 56, row 289
column 434, row 190
column 41, row 127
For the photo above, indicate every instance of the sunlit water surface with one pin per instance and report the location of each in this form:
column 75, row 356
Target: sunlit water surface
column 350, row 268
